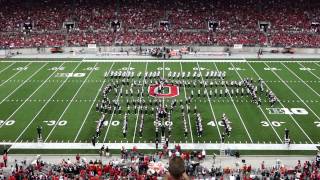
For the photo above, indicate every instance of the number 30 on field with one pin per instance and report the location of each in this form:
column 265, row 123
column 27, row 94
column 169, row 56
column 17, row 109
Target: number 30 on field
column 272, row 123
column 56, row 123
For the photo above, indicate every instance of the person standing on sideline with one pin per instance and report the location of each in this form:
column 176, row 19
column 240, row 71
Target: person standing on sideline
column 5, row 158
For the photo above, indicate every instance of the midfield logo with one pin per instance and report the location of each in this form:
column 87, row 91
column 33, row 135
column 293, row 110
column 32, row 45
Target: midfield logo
column 169, row 90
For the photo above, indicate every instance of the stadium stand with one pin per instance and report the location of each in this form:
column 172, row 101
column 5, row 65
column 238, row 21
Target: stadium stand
column 136, row 165
column 31, row 24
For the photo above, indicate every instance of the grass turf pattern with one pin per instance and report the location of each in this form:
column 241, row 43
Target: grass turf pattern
column 38, row 93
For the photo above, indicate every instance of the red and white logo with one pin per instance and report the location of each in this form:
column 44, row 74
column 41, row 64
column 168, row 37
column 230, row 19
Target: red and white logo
column 172, row 91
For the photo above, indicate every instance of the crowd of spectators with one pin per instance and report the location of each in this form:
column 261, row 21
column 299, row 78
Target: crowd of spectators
column 186, row 22
column 168, row 164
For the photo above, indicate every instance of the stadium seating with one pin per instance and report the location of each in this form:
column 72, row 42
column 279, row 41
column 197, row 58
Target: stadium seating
column 136, row 165
column 140, row 23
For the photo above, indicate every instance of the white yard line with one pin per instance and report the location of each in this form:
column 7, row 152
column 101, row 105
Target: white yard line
column 235, row 106
column 185, row 95
column 293, row 92
column 214, row 116
column 56, row 91
column 316, row 63
column 93, row 102
column 14, row 75
column 310, row 73
column 114, row 109
column 22, row 83
column 163, row 78
column 260, row 108
column 7, row 67
column 66, row 108
column 157, row 60
column 294, row 120
column 301, row 80
column 164, row 60
column 21, row 104
column 142, row 88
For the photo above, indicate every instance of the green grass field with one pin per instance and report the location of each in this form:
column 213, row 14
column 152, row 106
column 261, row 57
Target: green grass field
column 42, row 93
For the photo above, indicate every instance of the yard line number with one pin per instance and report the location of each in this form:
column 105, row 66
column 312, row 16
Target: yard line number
column 7, row 123
column 212, row 123
column 56, row 68
column 295, row 111
column 78, row 75
column 56, row 123
column 272, row 123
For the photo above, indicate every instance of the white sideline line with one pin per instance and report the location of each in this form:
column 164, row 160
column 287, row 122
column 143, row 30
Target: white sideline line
column 187, row 146
column 294, row 93
column 87, row 115
column 301, row 80
column 214, row 116
column 165, row 60
column 235, row 106
column 141, row 60
column 142, row 88
column 47, row 101
column 22, row 84
column 310, row 73
column 7, row 67
column 66, row 108
column 41, row 61
column 260, row 108
column 316, row 63
column 285, row 61
column 294, row 120
column 185, row 95
column 14, row 75
column 172, row 60
column 114, row 109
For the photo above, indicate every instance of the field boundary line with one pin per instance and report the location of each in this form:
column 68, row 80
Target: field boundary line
column 301, row 80
column 292, row 118
column 71, row 101
column 277, row 61
column 149, row 146
column 214, row 116
column 316, row 63
column 7, row 67
column 93, row 102
column 165, row 60
column 114, row 109
column 46, row 102
column 41, row 61
column 142, row 88
column 185, row 95
column 36, row 72
column 14, row 74
column 157, row 60
column 259, row 107
column 235, row 106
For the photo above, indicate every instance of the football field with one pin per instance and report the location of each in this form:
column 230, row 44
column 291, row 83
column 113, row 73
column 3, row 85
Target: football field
column 61, row 96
